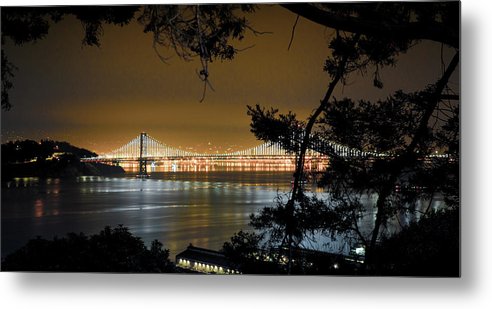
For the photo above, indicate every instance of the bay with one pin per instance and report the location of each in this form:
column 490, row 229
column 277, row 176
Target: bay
column 204, row 208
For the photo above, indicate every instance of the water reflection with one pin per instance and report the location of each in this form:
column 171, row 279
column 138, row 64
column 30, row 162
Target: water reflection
column 205, row 209
column 211, row 165
column 175, row 208
column 22, row 182
column 38, row 208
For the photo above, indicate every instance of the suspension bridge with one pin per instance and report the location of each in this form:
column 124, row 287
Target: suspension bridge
column 146, row 150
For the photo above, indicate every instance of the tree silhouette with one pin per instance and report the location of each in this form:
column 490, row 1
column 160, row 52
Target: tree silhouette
column 405, row 129
column 209, row 31
column 398, row 135
column 429, row 247
column 244, row 251
column 203, row 31
column 112, row 250
column 397, row 22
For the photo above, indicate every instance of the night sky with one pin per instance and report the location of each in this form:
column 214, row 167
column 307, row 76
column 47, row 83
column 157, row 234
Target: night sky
column 101, row 98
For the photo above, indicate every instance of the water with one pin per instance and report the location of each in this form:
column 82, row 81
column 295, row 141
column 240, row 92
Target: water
column 205, row 209
column 202, row 208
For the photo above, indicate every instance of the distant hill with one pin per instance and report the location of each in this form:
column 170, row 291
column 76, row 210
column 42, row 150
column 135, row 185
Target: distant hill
column 29, row 150
column 49, row 159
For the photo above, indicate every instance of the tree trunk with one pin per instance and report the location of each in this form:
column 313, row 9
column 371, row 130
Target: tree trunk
column 297, row 188
column 401, row 162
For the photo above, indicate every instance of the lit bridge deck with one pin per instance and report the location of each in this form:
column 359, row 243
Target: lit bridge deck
column 146, row 150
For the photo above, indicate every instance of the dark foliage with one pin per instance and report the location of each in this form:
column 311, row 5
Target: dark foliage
column 391, row 24
column 389, row 127
column 392, row 142
column 406, row 128
column 203, row 31
column 197, row 30
column 249, row 254
column 269, row 126
column 429, row 247
column 7, row 74
column 244, row 251
column 112, row 250
column 29, row 24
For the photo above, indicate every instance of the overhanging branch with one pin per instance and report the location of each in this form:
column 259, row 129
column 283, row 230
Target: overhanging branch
column 411, row 30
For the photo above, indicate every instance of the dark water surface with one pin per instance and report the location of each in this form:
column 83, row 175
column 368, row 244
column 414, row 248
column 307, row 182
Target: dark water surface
column 205, row 209
column 176, row 208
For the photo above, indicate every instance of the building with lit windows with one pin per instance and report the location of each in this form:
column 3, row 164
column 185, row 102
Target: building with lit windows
column 204, row 261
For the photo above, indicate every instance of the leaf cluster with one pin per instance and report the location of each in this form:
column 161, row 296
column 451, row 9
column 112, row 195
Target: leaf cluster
column 270, row 126
column 429, row 247
column 112, row 250
column 311, row 215
column 24, row 25
column 30, row 24
column 197, row 30
column 385, row 30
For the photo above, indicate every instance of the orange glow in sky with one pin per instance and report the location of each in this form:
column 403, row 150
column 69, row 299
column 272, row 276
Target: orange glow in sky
column 101, row 98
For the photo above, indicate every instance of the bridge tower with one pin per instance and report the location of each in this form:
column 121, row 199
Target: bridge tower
column 142, row 161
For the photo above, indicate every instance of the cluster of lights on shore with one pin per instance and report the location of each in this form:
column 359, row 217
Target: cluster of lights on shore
column 205, row 268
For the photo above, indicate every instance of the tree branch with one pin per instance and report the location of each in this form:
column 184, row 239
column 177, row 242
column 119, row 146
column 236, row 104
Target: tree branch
column 400, row 162
column 293, row 32
column 411, row 30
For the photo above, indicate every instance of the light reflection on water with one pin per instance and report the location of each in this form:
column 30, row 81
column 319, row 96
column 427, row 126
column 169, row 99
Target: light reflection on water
column 205, row 209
